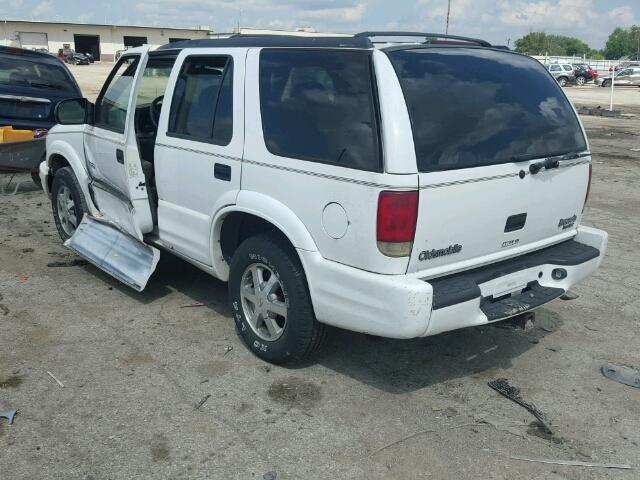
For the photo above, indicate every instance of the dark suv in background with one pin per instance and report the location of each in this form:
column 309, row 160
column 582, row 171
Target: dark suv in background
column 31, row 84
column 584, row 73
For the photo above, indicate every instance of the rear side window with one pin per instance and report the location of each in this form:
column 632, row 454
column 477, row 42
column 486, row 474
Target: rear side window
column 202, row 105
column 472, row 107
column 318, row 105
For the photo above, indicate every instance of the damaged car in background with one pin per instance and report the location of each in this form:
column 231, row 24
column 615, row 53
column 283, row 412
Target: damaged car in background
column 31, row 85
column 398, row 184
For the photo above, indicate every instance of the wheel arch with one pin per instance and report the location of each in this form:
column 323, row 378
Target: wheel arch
column 253, row 214
column 60, row 155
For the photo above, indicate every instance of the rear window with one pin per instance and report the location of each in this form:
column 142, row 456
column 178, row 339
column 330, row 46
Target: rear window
column 471, row 107
column 318, row 105
column 25, row 73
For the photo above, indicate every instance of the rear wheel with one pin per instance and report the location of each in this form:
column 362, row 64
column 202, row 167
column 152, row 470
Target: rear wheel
column 562, row 81
column 67, row 202
column 606, row 83
column 580, row 81
column 271, row 304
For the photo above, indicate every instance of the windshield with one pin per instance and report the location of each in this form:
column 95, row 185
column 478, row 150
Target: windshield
column 472, row 107
column 22, row 72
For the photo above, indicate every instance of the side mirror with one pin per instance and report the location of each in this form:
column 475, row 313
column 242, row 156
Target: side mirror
column 73, row 111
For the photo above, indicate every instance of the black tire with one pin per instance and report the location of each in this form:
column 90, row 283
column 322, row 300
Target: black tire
column 302, row 335
column 580, row 80
column 35, row 176
column 562, row 81
column 606, row 83
column 66, row 178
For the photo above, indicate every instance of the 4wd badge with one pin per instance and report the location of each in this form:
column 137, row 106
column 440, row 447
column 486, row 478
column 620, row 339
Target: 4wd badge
column 435, row 253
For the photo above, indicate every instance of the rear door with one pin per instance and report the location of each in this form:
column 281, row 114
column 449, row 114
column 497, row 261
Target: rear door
column 198, row 153
column 484, row 123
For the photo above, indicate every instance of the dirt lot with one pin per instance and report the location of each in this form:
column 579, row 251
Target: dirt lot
column 135, row 366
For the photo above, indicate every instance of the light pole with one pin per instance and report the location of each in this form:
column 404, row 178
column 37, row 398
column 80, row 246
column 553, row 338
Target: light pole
column 446, row 29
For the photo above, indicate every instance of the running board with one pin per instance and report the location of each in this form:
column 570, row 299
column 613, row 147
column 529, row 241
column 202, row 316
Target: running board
column 112, row 250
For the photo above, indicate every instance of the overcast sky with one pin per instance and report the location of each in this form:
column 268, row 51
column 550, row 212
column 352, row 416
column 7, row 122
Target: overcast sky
column 494, row 20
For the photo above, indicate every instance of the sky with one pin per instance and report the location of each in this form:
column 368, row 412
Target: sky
column 498, row 21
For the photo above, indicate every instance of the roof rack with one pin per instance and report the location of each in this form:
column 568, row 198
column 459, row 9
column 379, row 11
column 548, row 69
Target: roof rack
column 426, row 36
column 258, row 40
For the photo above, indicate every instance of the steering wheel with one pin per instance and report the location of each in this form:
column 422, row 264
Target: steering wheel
column 154, row 110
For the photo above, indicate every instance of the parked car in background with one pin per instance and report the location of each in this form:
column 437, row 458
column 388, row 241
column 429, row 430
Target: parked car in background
column 629, row 77
column 64, row 53
column 77, row 58
column 393, row 221
column 563, row 73
column 90, row 57
column 623, row 65
column 584, row 73
column 31, row 84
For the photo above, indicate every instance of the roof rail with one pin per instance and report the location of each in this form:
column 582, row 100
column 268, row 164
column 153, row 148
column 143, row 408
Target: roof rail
column 477, row 41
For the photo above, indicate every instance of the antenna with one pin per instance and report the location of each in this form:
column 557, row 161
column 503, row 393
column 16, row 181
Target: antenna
column 446, row 29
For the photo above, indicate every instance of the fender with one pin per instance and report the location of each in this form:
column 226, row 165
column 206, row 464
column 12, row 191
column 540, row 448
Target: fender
column 267, row 208
column 58, row 146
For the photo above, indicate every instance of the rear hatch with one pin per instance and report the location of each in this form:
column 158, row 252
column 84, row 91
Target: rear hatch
column 502, row 159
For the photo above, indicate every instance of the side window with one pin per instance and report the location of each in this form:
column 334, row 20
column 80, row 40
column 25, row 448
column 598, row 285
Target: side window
column 319, row 105
column 555, row 68
column 202, row 104
column 567, row 68
column 154, row 80
column 111, row 106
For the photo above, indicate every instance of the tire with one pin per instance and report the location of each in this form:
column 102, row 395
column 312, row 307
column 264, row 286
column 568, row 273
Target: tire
column 580, row 81
column 296, row 337
column 65, row 186
column 606, row 83
column 562, row 81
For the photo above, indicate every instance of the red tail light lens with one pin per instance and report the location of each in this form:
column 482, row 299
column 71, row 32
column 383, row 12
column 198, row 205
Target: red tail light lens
column 396, row 223
column 586, row 197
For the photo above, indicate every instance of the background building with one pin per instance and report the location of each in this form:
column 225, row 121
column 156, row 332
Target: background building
column 102, row 41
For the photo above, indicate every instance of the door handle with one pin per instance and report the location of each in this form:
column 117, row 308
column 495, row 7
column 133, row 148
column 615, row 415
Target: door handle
column 222, row 172
column 120, row 156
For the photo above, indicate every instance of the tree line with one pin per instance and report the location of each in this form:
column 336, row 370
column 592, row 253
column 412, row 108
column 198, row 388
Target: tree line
column 621, row 43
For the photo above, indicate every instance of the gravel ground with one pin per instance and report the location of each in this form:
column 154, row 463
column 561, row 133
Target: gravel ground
column 135, row 366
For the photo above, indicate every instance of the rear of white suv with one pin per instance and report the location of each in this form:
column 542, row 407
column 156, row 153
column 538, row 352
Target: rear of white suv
column 488, row 217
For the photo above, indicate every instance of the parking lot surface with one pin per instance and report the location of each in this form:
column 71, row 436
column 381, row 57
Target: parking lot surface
column 157, row 385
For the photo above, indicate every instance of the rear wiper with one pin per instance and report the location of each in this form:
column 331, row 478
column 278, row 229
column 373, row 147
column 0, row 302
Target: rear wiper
column 554, row 162
column 46, row 85
column 531, row 156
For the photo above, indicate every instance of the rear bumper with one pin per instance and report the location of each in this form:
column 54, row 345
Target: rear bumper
column 403, row 306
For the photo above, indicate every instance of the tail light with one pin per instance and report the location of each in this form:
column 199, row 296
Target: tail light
column 586, row 197
column 396, row 222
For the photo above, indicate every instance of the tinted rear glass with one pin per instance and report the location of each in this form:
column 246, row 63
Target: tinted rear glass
column 26, row 73
column 472, row 107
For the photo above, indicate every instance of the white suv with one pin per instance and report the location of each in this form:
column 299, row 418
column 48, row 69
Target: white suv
column 400, row 190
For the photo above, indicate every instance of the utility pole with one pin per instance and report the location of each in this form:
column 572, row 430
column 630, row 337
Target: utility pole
column 446, row 30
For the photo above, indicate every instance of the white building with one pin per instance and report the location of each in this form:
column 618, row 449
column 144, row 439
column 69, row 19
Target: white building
column 102, row 41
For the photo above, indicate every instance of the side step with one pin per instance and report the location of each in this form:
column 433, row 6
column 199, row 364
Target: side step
column 534, row 296
column 110, row 249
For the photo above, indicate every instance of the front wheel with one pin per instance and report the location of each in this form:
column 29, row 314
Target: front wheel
column 67, row 202
column 271, row 304
column 606, row 83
